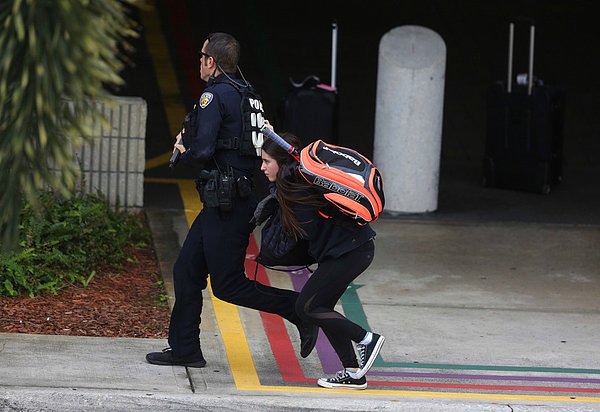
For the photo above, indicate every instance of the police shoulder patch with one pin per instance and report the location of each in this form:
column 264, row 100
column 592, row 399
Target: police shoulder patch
column 205, row 99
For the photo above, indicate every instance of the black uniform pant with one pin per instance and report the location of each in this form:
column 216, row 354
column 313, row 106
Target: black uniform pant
column 322, row 291
column 216, row 245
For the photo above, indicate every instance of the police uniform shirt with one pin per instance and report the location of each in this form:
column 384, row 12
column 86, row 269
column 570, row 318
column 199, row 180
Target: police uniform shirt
column 219, row 117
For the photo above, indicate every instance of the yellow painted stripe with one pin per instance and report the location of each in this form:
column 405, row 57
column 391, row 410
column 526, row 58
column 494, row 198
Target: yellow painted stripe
column 165, row 73
column 191, row 200
column 236, row 344
column 420, row 394
column 159, row 160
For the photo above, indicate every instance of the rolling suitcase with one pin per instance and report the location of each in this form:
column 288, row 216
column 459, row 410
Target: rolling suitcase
column 309, row 110
column 523, row 149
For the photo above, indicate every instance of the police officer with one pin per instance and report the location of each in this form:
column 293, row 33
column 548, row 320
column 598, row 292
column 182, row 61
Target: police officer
column 217, row 240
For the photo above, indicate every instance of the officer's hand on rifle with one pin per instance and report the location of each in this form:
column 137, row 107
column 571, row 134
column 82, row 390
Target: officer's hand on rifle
column 178, row 148
column 179, row 144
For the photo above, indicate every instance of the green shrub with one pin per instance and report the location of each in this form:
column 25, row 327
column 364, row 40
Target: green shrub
column 67, row 242
column 53, row 52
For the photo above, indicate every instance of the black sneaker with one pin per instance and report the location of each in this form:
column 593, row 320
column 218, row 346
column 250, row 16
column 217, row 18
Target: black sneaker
column 308, row 337
column 166, row 358
column 343, row 380
column 368, row 353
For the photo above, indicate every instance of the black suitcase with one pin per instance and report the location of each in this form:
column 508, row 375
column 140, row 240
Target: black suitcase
column 310, row 108
column 523, row 149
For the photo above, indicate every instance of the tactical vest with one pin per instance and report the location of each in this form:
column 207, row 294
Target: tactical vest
column 253, row 119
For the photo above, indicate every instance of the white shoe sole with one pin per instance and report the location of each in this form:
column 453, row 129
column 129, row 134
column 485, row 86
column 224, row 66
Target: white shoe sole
column 323, row 383
column 363, row 371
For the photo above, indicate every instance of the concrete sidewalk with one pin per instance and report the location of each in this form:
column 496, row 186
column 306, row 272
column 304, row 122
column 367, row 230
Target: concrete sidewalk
column 477, row 316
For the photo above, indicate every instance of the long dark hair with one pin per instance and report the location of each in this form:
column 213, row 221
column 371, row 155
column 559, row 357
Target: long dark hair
column 292, row 189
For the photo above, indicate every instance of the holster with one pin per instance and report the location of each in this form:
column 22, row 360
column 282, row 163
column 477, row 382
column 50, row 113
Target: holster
column 217, row 189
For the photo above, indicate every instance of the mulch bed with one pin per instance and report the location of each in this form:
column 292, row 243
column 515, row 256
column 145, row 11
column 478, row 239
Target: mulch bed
column 129, row 303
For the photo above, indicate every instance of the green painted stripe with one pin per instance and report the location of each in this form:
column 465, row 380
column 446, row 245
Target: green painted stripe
column 483, row 367
column 354, row 310
column 352, row 306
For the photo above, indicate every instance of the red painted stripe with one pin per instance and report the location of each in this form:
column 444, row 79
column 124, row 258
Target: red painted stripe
column 179, row 25
column 282, row 348
column 485, row 387
column 274, row 325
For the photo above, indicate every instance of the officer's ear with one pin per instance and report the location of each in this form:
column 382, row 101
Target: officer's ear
column 210, row 62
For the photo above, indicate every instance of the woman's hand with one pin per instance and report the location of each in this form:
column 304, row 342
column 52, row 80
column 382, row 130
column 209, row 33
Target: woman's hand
column 269, row 125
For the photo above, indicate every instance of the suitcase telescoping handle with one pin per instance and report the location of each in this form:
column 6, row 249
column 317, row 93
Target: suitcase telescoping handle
column 511, row 39
column 334, row 30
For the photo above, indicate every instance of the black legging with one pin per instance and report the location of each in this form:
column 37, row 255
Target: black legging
column 322, row 291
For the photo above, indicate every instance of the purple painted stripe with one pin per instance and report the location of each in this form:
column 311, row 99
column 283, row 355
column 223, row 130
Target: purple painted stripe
column 329, row 359
column 483, row 377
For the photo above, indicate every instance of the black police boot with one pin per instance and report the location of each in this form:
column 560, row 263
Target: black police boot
column 308, row 337
column 166, row 357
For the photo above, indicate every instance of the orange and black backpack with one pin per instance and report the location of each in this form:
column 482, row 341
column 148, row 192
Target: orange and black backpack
column 346, row 178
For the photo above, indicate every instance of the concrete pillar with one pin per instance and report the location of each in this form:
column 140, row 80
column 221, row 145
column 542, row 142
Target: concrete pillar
column 408, row 118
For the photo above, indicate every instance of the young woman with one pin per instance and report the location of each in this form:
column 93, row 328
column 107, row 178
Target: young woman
column 342, row 250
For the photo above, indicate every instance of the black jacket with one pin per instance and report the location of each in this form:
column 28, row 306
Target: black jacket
column 333, row 237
